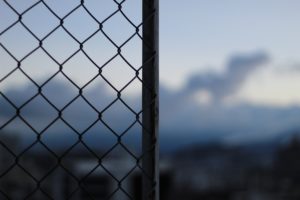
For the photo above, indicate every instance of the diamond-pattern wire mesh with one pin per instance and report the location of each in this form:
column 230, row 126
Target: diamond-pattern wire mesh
column 21, row 176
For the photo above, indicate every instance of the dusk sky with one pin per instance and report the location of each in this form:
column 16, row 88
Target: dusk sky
column 195, row 37
column 232, row 63
column 198, row 36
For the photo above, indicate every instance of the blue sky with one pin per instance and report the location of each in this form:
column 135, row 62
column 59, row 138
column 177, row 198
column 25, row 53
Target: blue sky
column 210, row 31
column 202, row 35
column 228, row 69
column 195, row 36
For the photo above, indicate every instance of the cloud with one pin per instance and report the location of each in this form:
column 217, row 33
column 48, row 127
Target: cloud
column 238, row 69
column 39, row 112
column 185, row 120
column 293, row 67
column 182, row 119
column 211, row 86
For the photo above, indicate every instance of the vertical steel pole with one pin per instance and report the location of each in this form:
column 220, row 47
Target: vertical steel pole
column 150, row 100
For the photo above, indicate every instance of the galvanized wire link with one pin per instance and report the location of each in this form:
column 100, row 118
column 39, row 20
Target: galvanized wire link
column 146, row 118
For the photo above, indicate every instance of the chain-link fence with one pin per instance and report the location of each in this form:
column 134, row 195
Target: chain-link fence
column 78, row 99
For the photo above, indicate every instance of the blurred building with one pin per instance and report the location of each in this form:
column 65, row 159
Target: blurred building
column 206, row 172
column 37, row 175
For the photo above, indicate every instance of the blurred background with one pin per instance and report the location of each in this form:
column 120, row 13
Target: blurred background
column 229, row 100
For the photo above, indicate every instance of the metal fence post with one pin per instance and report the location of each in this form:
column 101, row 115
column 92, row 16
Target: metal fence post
column 150, row 100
